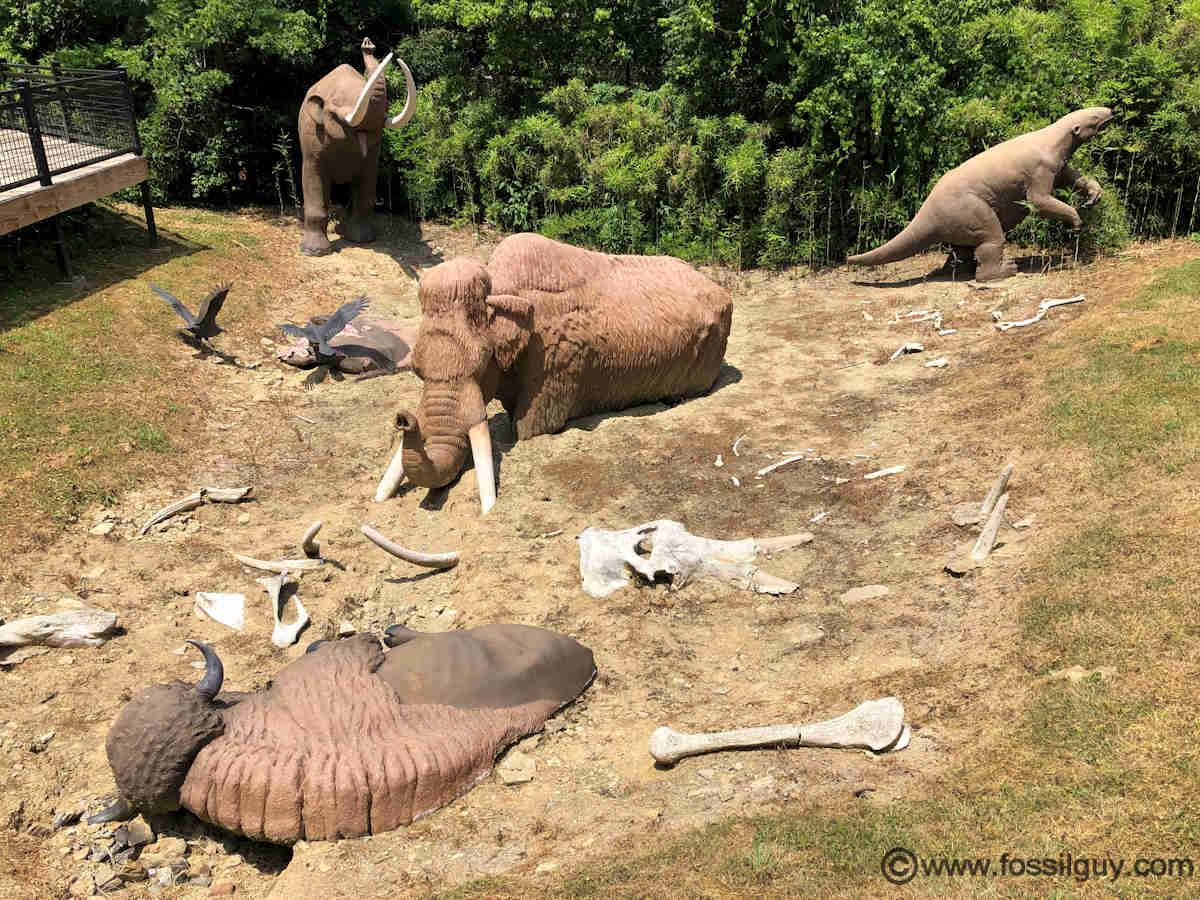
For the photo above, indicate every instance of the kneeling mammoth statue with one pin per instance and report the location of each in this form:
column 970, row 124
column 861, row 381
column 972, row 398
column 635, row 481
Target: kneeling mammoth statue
column 341, row 129
column 554, row 332
column 349, row 739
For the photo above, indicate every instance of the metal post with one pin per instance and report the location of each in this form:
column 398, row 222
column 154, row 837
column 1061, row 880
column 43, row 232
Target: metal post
column 60, row 245
column 35, row 132
column 151, row 228
column 64, row 101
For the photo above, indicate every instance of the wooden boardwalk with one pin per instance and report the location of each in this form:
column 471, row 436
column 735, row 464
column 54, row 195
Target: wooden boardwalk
column 34, row 202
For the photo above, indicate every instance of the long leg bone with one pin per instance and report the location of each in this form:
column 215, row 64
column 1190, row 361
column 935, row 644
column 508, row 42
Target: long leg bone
column 311, row 547
column 283, row 635
column 428, row 560
column 875, row 725
column 216, row 495
column 665, row 547
column 279, row 565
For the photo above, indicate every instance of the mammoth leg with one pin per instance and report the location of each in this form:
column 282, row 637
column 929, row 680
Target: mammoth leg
column 357, row 226
column 316, row 210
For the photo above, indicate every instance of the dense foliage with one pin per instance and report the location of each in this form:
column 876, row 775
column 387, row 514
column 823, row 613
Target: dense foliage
column 748, row 131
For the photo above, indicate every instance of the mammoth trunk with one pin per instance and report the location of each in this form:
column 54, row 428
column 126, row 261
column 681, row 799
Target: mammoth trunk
column 436, row 440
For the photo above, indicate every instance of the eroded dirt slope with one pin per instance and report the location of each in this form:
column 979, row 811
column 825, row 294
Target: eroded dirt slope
column 807, row 370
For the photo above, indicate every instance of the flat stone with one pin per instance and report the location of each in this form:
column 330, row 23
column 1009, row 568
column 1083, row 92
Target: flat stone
column 103, row 528
column 864, row 593
column 222, row 889
column 162, row 852
column 516, row 768
column 766, row 783
column 803, row 634
column 966, row 514
column 139, row 832
column 546, row 868
column 244, row 519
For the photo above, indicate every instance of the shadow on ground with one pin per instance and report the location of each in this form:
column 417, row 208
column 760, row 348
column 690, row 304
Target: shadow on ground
column 105, row 246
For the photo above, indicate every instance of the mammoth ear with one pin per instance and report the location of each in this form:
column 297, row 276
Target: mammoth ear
column 510, row 320
column 314, row 109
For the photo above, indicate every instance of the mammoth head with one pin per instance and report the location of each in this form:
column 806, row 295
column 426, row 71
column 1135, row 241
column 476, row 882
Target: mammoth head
column 468, row 338
column 343, row 99
column 157, row 736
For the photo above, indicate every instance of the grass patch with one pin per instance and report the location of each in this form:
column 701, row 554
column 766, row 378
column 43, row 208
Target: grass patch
column 1136, row 398
column 92, row 398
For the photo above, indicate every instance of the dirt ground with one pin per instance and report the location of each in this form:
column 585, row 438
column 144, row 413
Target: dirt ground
column 807, row 369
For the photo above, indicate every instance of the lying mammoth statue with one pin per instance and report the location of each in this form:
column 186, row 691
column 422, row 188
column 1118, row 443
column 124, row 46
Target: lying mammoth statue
column 554, row 332
column 349, row 739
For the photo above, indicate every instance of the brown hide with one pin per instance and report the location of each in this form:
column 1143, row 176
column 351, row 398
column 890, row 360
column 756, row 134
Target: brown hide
column 555, row 332
column 609, row 331
column 973, row 205
column 332, row 749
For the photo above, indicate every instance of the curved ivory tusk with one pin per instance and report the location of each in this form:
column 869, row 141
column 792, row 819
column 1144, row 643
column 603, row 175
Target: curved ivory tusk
column 410, row 102
column 312, row 548
column 216, row 495
column 279, row 565
column 429, row 560
column 485, row 472
column 360, row 107
column 390, row 483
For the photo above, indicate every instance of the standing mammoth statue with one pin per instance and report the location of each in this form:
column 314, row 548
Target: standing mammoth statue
column 554, row 332
column 341, row 129
column 349, row 739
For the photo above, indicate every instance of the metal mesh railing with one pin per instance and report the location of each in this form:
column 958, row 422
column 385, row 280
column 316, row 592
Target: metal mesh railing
column 55, row 120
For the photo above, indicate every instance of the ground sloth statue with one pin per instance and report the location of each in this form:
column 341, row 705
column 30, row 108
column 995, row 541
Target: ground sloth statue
column 348, row 740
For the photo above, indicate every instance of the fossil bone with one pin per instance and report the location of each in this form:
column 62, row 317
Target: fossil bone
column 775, row 465
column 284, row 634
column 228, row 609
column 311, row 547
column 894, row 470
column 279, row 565
column 428, row 560
column 606, row 558
column 216, row 495
column 987, row 537
column 87, row 627
column 875, row 725
column 989, row 501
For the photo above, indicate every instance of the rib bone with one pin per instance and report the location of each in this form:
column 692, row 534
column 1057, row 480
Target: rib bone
column 875, row 725
column 283, row 635
column 279, row 565
column 216, row 495
column 311, row 548
column 428, row 560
